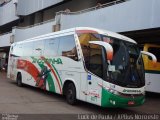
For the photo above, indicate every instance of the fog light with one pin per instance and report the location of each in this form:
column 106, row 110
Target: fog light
column 113, row 102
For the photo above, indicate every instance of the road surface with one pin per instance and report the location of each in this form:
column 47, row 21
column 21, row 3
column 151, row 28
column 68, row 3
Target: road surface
column 34, row 103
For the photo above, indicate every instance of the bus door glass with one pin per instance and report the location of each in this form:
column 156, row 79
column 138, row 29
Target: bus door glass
column 93, row 64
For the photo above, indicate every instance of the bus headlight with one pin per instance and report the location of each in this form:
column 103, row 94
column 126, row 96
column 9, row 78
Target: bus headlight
column 112, row 102
column 113, row 91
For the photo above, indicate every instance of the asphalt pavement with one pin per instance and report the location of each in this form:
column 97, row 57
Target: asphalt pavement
column 29, row 102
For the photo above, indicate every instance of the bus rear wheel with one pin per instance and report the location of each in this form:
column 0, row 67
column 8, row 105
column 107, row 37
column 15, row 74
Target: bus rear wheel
column 71, row 94
column 19, row 80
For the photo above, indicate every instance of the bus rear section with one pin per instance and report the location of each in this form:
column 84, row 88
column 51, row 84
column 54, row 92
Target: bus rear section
column 152, row 71
column 88, row 64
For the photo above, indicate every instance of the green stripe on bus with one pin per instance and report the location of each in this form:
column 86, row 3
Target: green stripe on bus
column 152, row 71
column 57, row 74
column 49, row 80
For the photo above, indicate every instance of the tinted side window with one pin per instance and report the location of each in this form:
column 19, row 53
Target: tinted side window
column 67, row 47
column 38, row 48
column 92, row 53
column 27, row 49
column 93, row 59
column 51, row 47
column 17, row 50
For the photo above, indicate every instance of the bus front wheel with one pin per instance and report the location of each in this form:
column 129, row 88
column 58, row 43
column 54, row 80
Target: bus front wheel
column 71, row 94
column 19, row 80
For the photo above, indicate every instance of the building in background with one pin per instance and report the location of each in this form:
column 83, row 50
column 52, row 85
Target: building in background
column 23, row 19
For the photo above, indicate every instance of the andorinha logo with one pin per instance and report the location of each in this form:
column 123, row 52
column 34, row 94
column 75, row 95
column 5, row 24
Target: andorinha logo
column 136, row 91
column 49, row 60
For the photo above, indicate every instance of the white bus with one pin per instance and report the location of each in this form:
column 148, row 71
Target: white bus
column 88, row 64
column 152, row 71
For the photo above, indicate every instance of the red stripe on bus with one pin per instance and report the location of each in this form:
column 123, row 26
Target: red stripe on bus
column 54, row 74
column 28, row 67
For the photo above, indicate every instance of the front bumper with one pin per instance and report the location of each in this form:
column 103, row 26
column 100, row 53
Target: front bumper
column 112, row 100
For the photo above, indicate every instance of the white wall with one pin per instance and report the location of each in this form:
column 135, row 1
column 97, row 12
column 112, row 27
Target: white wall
column 127, row 16
column 7, row 13
column 26, row 7
column 5, row 40
column 25, row 33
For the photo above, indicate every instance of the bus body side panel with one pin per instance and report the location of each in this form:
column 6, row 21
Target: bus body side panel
column 40, row 72
column 152, row 82
column 69, row 70
column 12, row 68
column 50, row 73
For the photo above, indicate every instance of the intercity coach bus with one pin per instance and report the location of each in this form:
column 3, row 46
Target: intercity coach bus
column 87, row 64
column 152, row 71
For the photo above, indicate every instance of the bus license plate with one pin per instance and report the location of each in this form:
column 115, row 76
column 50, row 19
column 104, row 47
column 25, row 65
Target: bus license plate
column 131, row 102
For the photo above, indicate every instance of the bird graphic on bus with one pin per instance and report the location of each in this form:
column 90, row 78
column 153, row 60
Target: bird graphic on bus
column 42, row 77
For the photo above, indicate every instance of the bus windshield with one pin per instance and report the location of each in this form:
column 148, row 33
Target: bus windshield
column 125, row 69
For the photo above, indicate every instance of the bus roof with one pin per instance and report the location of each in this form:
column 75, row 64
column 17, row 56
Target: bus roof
column 73, row 30
column 108, row 33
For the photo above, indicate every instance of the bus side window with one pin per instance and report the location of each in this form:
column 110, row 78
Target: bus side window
column 51, row 47
column 92, row 53
column 17, row 50
column 155, row 51
column 67, row 47
column 38, row 48
column 95, row 60
column 28, row 49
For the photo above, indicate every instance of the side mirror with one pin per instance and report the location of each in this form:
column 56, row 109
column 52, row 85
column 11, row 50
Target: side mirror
column 154, row 59
column 107, row 46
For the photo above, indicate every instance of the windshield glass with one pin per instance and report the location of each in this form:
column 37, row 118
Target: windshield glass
column 126, row 68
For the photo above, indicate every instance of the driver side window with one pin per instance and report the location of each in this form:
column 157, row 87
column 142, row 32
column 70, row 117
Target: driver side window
column 92, row 53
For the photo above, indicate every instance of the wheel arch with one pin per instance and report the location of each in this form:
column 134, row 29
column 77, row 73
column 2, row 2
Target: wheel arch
column 19, row 79
column 66, row 82
column 17, row 73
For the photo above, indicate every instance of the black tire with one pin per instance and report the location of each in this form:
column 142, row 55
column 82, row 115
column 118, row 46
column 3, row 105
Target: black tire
column 19, row 80
column 71, row 94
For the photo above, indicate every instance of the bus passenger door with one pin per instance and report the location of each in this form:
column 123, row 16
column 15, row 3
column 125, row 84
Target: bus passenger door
column 83, row 92
column 94, row 89
column 94, row 66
